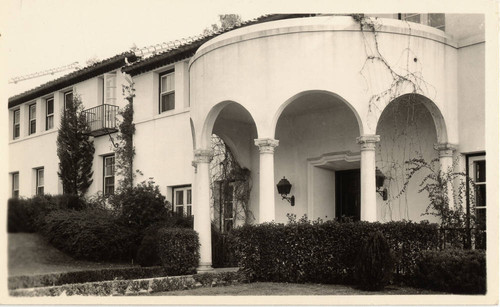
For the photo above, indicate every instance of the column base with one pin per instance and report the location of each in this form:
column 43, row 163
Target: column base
column 205, row 268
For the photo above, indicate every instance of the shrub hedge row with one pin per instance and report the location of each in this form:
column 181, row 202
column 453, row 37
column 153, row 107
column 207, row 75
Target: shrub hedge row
column 26, row 214
column 323, row 252
column 453, row 270
column 179, row 250
column 56, row 279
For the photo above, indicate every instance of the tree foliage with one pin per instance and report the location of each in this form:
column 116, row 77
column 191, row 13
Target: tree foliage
column 75, row 150
column 226, row 21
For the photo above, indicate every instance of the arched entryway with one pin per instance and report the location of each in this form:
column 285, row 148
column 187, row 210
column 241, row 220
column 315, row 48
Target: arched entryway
column 410, row 127
column 234, row 127
column 318, row 153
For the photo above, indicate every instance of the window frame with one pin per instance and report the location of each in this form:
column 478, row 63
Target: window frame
column 16, row 133
column 15, row 192
column 106, row 176
column 49, row 115
column 65, row 94
column 161, row 93
column 39, row 186
column 31, row 120
column 187, row 205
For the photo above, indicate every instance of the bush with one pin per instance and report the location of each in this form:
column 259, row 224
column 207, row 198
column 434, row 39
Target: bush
column 147, row 253
column 27, row 214
column 141, row 206
column 375, row 263
column 179, row 250
column 90, row 234
column 321, row 252
column 455, row 271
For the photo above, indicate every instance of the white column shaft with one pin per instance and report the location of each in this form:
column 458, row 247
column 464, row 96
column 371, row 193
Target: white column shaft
column 368, row 184
column 266, row 179
column 202, row 218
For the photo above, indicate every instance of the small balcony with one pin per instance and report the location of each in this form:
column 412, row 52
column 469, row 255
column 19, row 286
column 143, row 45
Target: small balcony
column 102, row 119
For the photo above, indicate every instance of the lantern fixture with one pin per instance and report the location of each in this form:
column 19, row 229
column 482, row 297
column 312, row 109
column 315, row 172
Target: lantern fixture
column 379, row 180
column 284, row 187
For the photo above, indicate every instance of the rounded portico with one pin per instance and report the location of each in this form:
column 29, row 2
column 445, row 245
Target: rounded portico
column 315, row 89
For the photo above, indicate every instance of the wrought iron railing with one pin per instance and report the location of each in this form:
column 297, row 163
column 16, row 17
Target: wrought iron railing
column 101, row 119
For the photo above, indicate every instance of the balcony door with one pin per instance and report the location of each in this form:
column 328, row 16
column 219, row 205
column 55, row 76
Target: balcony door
column 348, row 194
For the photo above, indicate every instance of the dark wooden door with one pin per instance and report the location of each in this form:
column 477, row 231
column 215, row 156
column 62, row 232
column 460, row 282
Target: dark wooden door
column 348, row 194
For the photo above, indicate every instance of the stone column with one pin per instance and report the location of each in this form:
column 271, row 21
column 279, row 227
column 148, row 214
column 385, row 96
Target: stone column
column 368, row 187
column 446, row 161
column 266, row 179
column 201, row 206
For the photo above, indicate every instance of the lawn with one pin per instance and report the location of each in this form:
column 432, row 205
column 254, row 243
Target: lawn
column 268, row 288
column 30, row 254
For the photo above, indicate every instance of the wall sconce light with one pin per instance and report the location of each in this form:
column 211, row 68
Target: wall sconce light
column 284, row 187
column 379, row 179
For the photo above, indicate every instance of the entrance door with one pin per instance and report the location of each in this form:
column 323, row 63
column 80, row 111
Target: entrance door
column 348, row 194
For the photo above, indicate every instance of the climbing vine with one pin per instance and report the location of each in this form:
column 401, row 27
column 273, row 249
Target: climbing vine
column 230, row 185
column 125, row 150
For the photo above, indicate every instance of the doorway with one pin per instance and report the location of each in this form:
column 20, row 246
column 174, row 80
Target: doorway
column 348, row 194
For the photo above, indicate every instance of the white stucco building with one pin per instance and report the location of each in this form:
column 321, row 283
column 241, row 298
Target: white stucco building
column 321, row 100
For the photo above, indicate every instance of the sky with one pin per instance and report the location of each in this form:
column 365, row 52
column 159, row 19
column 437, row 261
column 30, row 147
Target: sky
column 44, row 34
column 37, row 35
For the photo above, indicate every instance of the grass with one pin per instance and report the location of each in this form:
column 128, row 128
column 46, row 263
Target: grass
column 268, row 288
column 30, row 254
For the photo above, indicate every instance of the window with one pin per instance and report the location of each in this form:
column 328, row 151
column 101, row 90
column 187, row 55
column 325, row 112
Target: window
column 167, row 91
column 49, row 114
column 68, row 99
column 109, row 175
column 182, row 201
column 477, row 172
column 412, row 17
column 225, row 206
column 17, row 118
column 434, row 20
column 40, row 181
column 15, row 185
column 32, row 119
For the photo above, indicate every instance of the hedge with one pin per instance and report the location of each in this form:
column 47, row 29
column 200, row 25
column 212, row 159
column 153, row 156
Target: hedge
column 323, row 252
column 26, row 214
column 454, row 271
column 91, row 234
column 56, row 279
column 179, row 250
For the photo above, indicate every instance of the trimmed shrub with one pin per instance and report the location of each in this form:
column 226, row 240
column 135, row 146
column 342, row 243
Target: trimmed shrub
column 91, row 234
column 179, row 250
column 453, row 270
column 19, row 216
column 375, row 263
column 141, row 206
column 321, row 252
column 147, row 253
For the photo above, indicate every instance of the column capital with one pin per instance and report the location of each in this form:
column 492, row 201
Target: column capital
column 203, row 156
column 445, row 149
column 266, row 145
column 368, row 141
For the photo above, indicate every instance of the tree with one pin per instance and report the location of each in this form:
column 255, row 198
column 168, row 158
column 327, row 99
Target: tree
column 226, row 21
column 75, row 150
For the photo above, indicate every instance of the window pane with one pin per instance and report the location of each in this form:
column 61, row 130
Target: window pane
column 480, row 175
column 481, row 195
column 179, row 197
column 167, row 102
column 40, row 177
column 188, row 197
column 170, row 82
column 228, row 225
column 39, row 191
column 17, row 115
column 481, row 218
column 32, row 111
column 189, row 211
column 16, row 131
column 32, row 126
column 68, row 99
column 15, row 181
column 436, row 21
column 50, row 122
column 50, row 106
